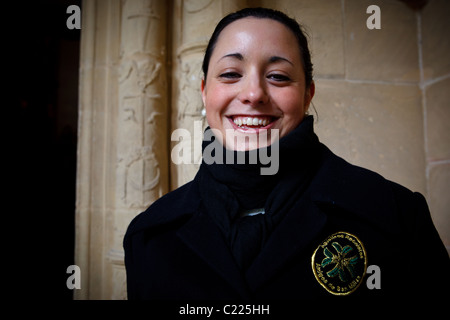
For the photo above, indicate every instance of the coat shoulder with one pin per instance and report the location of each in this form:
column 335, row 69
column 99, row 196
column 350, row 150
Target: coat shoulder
column 169, row 208
column 364, row 193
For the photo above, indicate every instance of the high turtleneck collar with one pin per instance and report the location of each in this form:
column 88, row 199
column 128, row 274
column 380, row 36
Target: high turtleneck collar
column 245, row 181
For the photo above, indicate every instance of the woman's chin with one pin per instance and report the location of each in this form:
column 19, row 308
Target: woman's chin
column 246, row 142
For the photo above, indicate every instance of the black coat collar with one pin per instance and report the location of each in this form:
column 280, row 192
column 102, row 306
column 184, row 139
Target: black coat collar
column 337, row 184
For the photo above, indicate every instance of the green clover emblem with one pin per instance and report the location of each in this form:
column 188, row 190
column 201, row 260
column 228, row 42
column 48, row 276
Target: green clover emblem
column 340, row 260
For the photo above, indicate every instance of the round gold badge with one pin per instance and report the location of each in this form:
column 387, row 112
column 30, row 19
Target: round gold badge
column 339, row 263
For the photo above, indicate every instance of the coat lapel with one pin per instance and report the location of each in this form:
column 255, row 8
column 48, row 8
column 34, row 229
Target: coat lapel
column 201, row 235
column 300, row 226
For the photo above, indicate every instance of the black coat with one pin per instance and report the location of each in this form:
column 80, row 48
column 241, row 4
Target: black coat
column 174, row 250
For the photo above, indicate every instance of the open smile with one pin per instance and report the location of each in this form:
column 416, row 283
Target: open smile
column 252, row 122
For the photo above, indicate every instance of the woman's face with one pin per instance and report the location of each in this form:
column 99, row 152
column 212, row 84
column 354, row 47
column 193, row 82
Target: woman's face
column 255, row 83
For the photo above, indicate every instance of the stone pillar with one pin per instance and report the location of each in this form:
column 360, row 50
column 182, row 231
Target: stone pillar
column 122, row 153
column 95, row 164
column 142, row 162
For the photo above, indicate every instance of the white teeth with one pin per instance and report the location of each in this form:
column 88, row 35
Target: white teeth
column 251, row 121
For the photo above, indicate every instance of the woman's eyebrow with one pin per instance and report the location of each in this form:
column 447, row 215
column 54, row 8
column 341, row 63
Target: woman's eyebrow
column 240, row 57
column 236, row 55
column 277, row 58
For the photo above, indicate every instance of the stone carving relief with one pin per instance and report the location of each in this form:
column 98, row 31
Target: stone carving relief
column 190, row 101
column 140, row 23
column 142, row 104
column 141, row 136
column 189, row 106
column 139, row 110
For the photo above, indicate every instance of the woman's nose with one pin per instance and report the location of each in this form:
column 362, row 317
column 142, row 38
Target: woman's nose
column 254, row 92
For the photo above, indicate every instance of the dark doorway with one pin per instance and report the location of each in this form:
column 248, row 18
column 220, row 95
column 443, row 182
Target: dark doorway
column 44, row 95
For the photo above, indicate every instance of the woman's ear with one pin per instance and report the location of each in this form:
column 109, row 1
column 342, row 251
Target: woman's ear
column 309, row 94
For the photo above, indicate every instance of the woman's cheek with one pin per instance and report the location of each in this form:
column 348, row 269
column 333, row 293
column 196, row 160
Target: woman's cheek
column 293, row 113
column 216, row 104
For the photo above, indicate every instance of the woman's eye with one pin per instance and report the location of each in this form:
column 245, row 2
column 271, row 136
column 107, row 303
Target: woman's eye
column 278, row 77
column 230, row 75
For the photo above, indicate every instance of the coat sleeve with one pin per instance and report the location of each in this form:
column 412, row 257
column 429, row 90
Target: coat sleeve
column 429, row 262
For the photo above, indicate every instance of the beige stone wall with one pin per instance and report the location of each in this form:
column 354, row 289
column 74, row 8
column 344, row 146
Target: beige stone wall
column 434, row 26
column 382, row 99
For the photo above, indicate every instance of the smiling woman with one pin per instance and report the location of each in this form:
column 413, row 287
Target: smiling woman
column 309, row 230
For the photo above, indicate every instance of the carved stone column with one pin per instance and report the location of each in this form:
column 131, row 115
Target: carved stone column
column 123, row 148
column 142, row 127
column 142, row 161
